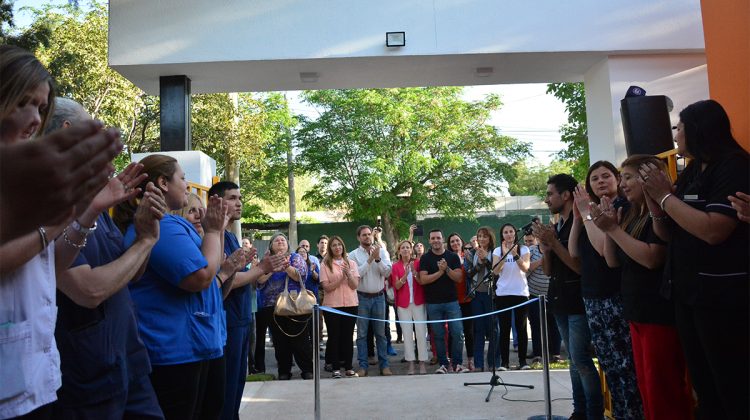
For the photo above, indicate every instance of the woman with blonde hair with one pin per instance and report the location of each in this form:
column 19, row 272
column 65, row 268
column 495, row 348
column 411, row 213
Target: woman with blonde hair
column 339, row 278
column 632, row 245
column 193, row 212
column 409, row 300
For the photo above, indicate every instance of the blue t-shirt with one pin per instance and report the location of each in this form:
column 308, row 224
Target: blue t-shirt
column 177, row 326
column 100, row 350
column 238, row 303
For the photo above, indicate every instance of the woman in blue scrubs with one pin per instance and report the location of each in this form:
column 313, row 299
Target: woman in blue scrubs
column 178, row 300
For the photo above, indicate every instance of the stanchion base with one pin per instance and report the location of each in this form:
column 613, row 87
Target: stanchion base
column 544, row 417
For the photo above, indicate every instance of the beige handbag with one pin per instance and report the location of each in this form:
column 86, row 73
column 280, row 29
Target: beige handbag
column 294, row 303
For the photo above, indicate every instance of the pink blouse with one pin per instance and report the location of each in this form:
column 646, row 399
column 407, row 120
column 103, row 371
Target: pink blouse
column 338, row 292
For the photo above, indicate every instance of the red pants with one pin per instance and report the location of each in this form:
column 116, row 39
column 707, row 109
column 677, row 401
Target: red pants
column 661, row 372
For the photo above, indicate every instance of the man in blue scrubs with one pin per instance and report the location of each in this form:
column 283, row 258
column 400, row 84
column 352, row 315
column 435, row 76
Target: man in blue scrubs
column 237, row 304
column 104, row 363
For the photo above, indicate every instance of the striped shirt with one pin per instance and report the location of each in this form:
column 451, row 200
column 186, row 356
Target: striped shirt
column 538, row 281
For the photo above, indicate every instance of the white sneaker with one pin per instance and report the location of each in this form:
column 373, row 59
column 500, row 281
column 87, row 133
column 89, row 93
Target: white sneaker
column 502, row 368
column 461, row 369
column 441, row 370
column 525, row 367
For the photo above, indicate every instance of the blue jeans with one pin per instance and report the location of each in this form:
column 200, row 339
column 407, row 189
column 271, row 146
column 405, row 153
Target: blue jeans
column 584, row 378
column 448, row 310
column 483, row 327
column 371, row 307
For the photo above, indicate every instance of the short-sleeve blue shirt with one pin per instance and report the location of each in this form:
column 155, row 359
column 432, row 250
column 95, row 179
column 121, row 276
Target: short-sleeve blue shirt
column 238, row 303
column 177, row 326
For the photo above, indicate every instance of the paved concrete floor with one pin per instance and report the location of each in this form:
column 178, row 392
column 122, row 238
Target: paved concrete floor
column 409, row 397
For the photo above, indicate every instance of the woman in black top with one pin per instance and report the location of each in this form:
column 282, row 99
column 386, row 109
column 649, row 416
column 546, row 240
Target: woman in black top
column 600, row 289
column 633, row 246
column 707, row 257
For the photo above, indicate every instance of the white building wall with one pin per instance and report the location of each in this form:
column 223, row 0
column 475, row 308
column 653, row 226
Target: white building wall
column 199, row 167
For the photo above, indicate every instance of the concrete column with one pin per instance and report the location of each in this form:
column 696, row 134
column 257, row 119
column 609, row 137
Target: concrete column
column 174, row 93
column 682, row 77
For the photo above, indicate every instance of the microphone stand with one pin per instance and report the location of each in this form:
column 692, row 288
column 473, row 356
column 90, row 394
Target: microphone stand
column 489, row 279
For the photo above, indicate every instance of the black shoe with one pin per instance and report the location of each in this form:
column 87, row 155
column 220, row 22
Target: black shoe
column 307, row 375
column 285, row 376
column 577, row 416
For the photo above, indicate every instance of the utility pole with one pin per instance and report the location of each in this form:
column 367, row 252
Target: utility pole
column 231, row 167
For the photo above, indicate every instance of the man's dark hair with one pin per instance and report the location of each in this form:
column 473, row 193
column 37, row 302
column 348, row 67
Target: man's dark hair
column 360, row 229
column 562, row 183
column 435, row 230
column 322, row 237
column 221, row 187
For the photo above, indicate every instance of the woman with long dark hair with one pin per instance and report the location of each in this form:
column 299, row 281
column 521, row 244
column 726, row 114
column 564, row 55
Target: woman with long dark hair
column 456, row 245
column 707, row 264
column 339, row 279
column 600, row 289
column 512, row 289
column 631, row 244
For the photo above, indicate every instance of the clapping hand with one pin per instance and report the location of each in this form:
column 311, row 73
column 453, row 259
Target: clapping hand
column 273, row 263
column 545, row 234
column 582, row 201
column 442, row 265
column 216, row 217
column 605, row 217
column 741, row 203
column 655, row 182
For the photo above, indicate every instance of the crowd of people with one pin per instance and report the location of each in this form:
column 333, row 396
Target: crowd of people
column 148, row 311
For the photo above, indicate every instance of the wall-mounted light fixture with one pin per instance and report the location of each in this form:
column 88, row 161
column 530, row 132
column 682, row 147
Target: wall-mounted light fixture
column 395, row 39
column 483, row 71
column 309, row 77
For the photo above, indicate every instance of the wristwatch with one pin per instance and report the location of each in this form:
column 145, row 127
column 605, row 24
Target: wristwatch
column 84, row 231
column 589, row 218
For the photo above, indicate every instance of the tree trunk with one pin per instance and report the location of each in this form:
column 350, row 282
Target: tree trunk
column 390, row 236
column 231, row 168
column 292, row 200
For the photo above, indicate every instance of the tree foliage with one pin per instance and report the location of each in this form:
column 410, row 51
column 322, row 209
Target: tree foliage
column 397, row 152
column 574, row 132
column 532, row 179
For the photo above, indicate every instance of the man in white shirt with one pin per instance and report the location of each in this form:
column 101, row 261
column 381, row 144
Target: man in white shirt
column 374, row 265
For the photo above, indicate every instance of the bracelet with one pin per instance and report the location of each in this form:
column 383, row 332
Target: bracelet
column 663, row 199
column 76, row 225
column 218, row 277
column 69, row 242
column 658, row 218
column 43, row 234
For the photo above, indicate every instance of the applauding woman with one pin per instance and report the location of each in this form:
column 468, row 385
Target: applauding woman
column 511, row 262
column 289, row 337
column 339, row 279
column 707, row 263
column 659, row 363
column 410, row 305
column 178, row 300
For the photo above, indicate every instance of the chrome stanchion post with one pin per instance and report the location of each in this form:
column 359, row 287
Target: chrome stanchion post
column 545, row 355
column 316, row 357
column 545, row 363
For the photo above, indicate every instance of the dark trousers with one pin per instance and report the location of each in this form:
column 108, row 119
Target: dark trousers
column 235, row 354
column 553, row 335
column 291, row 340
column 190, row 390
column 708, row 334
column 521, row 314
column 468, row 329
column 341, row 337
column 263, row 319
column 138, row 402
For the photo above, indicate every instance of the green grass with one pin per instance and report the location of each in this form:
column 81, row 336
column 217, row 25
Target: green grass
column 260, row 377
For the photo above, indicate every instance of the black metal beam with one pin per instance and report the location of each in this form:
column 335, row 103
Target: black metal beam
column 174, row 107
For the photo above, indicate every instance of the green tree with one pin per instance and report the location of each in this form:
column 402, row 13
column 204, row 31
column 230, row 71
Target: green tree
column 532, row 179
column 397, row 152
column 574, row 132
